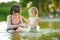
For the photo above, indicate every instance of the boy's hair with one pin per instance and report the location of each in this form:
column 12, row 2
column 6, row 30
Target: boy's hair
column 33, row 10
column 15, row 9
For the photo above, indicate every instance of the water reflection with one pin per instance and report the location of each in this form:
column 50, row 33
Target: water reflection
column 15, row 36
column 50, row 36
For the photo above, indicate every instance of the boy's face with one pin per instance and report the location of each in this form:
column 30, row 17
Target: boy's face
column 32, row 14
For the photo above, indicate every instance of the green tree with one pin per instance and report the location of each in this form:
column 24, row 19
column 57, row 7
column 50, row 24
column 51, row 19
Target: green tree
column 56, row 3
column 40, row 4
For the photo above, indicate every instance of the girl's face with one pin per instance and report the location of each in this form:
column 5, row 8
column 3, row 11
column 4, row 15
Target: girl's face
column 16, row 14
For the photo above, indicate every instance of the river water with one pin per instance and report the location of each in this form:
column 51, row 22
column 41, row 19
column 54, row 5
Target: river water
column 49, row 30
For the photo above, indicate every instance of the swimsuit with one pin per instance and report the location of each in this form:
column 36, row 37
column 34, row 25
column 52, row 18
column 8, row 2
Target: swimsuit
column 14, row 24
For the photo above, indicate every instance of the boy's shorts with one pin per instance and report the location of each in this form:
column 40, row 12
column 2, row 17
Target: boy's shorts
column 33, row 29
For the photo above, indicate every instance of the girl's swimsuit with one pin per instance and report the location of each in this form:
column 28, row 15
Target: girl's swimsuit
column 14, row 24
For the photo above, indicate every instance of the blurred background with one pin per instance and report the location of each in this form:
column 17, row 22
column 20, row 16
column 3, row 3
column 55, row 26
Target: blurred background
column 49, row 12
column 47, row 8
column 5, row 8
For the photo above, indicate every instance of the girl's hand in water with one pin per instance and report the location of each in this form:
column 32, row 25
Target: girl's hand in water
column 23, row 25
column 25, row 19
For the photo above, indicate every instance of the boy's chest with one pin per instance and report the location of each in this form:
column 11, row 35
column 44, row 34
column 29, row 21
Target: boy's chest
column 33, row 20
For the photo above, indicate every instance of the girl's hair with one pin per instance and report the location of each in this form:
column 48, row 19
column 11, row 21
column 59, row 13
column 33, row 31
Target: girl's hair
column 33, row 10
column 15, row 9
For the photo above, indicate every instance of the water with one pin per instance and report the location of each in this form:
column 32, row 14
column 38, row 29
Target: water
column 48, row 31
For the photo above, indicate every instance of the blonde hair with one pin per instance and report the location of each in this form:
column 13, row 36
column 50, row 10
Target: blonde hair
column 33, row 9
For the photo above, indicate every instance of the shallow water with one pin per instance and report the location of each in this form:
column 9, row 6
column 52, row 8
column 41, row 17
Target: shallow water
column 48, row 33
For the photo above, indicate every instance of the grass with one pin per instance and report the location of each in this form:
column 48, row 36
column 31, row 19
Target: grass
column 24, row 12
column 4, row 11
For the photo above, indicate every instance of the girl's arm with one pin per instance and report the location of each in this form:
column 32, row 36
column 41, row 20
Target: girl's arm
column 21, row 19
column 9, row 23
column 25, row 19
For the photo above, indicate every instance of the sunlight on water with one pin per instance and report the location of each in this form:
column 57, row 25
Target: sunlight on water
column 51, row 20
column 3, row 26
column 3, row 34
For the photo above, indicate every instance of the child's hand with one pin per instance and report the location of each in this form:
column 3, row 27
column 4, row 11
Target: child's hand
column 20, row 25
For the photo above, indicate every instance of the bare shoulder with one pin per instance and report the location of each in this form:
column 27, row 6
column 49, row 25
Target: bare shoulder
column 8, row 16
column 20, row 16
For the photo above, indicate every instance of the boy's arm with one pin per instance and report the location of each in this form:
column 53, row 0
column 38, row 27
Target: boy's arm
column 39, row 20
